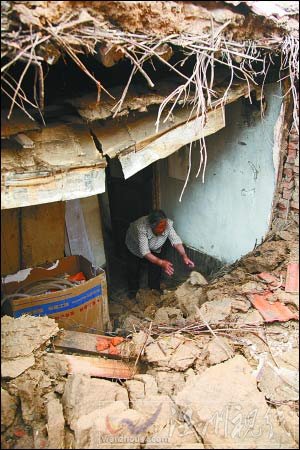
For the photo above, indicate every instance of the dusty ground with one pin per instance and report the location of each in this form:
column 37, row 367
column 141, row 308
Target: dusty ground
column 215, row 374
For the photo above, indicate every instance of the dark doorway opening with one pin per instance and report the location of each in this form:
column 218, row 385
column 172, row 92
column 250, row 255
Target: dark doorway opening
column 127, row 200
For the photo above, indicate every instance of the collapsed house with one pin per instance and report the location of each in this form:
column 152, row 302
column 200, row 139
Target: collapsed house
column 113, row 109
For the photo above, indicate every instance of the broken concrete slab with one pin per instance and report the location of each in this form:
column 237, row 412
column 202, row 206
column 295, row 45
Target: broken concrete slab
column 175, row 435
column 141, row 386
column 158, row 409
column 228, row 411
column 196, row 278
column 173, row 352
column 279, row 383
column 8, row 409
column 240, row 303
column 168, row 316
column 219, row 350
column 287, row 298
column 289, row 421
column 24, row 335
column 12, row 368
column 169, row 383
column 288, row 359
column 188, row 298
column 216, row 310
column 252, row 317
column 31, row 387
column 112, row 426
column 55, row 423
column 84, row 395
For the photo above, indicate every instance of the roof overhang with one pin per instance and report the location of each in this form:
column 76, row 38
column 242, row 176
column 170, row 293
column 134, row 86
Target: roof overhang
column 63, row 164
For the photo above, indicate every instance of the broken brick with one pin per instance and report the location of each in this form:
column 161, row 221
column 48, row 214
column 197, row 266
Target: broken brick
column 287, row 194
column 288, row 184
column 292, row 278
column 271, row 312
column 283, row 204
column 269, row 278
column 288, row 172
column 295, row 205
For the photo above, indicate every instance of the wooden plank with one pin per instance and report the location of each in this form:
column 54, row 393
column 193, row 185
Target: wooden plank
column 98, row 367
column 10, row 242
column 87, row 342
column 171, row 141
column 43, row 234
column 24, row 140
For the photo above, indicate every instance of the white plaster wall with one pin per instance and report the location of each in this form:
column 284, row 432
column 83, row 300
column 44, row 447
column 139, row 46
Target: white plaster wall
column 229, row 213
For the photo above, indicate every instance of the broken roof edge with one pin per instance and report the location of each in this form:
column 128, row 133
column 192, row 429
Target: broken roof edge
column 133, row 134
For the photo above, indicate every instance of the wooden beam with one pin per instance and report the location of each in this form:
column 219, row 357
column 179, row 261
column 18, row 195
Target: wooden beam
column 24, row 140
column 87, row 343
column 98, row 367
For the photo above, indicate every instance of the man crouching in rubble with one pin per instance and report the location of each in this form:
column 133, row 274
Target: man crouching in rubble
column 146, row 238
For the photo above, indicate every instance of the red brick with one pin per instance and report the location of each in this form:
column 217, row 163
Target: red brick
column 292, row 147
column 288, row 184
column 290, row 159
column 288, row 172
column 287, row 194
column 283, row 204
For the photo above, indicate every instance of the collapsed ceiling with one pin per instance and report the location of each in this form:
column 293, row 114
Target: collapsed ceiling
column 242, row 37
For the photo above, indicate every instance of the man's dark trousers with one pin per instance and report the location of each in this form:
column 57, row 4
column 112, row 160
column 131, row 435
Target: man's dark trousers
column 134, row 268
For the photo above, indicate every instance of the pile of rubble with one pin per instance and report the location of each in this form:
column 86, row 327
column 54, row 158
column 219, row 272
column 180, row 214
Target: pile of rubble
column 218, row 367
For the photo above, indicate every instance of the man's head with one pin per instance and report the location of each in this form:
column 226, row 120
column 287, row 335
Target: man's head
column 158, row 221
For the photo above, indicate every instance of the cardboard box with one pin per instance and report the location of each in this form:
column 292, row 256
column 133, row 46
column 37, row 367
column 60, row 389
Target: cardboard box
column 80, row 308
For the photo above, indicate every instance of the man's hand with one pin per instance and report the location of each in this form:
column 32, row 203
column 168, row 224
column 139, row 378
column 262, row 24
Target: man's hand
column 187, row 261
column 167, row 267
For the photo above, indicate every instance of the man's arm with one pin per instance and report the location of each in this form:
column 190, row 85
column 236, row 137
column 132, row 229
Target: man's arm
column 181, row 251
column 163, row 263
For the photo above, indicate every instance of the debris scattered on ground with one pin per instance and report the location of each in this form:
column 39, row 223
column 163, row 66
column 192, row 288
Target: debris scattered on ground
column 215, row 372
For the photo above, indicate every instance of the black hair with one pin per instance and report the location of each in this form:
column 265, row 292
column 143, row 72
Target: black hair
column 155, row 217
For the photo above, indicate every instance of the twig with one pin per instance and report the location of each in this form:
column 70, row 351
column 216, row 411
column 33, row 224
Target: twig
column 144, row 345
column 212, row 331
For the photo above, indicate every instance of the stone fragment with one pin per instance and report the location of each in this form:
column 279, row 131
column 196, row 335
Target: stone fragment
column 12, row 368
column 168, row 316
column 112, row 426
column 172, row 352
column 8, row 409
column 24, row 335
column 251, row 317
column 196, row 278
column 55, row 423
column 228, row 411
column 218, row 350
column 158, row 409
column 289, row 421
column 83, row 395
column 31, row 387
column 169, row 383
column 216, row 310
column 279, row 384
column 189, row 298
column 141, row 386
